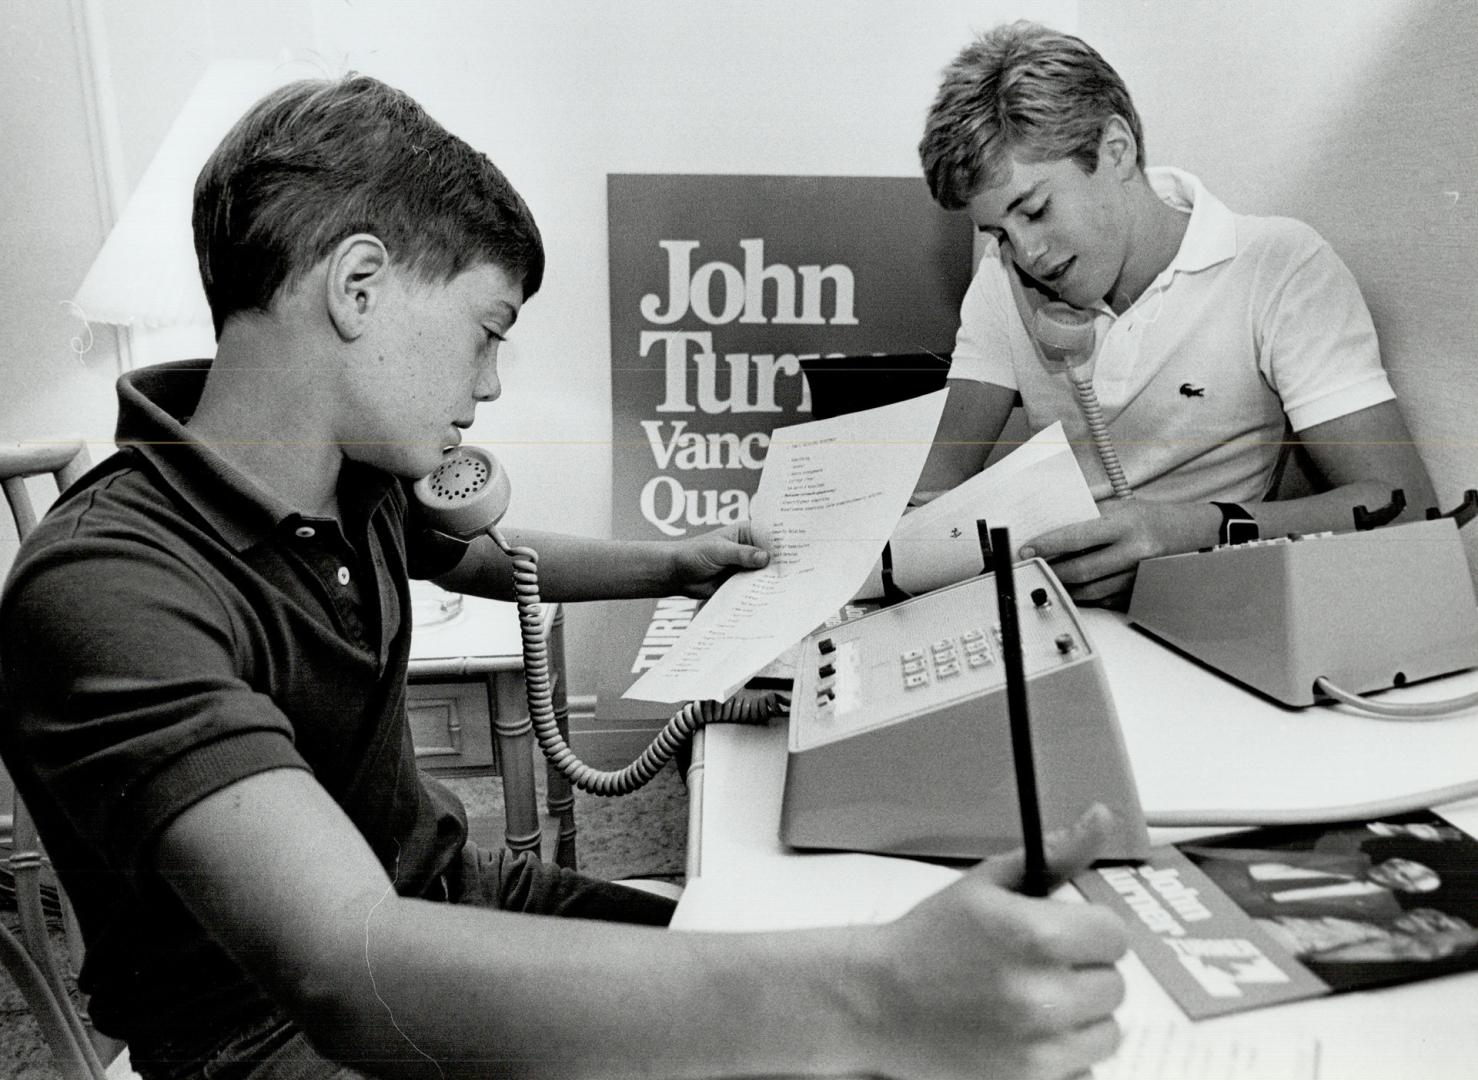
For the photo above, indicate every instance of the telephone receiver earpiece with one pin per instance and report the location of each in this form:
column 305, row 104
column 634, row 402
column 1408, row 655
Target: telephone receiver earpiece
column 466, row 495
column 1065, row 333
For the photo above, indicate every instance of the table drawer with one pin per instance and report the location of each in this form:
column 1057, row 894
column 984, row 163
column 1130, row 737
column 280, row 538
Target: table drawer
column 452, row 726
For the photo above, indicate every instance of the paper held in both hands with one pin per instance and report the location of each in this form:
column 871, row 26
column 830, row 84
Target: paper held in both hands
column 1036, row 488
column 831, row 494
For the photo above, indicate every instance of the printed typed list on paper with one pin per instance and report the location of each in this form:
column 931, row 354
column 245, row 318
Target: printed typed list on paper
column 829, row 497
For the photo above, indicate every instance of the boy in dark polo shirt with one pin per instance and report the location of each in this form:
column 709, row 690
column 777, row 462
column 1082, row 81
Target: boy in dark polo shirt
column 203, row 650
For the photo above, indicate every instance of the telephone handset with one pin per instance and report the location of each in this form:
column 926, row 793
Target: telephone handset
column 1065, row 335
column 1064, row 332
column 466, row 496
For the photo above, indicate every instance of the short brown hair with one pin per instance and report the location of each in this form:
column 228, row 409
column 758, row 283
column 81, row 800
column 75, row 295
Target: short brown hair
column 318, row 160
column 1019, row 90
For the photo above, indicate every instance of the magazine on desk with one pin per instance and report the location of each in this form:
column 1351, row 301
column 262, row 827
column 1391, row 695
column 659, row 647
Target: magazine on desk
column 1236, row 922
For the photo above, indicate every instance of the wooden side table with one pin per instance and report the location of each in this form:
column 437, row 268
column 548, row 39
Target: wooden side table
column 468, row 709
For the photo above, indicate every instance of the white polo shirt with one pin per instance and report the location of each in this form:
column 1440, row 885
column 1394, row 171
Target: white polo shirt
column 1256, row 325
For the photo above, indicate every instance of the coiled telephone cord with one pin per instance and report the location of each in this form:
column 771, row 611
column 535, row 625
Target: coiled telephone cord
column 756, row 709
column 1092, row 412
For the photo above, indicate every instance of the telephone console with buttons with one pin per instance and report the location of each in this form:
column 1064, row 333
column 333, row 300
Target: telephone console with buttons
column 1364, row 610
column 899, row 733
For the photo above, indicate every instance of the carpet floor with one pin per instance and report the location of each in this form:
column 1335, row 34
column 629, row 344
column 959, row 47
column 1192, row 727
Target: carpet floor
column 642, row 835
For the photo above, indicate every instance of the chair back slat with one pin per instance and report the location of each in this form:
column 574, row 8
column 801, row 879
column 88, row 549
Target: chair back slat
column 21, row 509
column 65, row 461
column 33, row 459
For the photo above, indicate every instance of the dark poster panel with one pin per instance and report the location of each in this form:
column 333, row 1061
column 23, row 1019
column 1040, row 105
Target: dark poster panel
column 720, row 286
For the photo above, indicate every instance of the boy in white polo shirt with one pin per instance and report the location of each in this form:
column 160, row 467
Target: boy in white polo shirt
column 1215, row 333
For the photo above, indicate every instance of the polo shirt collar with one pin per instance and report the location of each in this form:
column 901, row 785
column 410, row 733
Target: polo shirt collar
column 154, row 405
column 1211, row 235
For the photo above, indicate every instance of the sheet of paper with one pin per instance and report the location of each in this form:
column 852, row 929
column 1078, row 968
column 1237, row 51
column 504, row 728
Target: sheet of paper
column 829, row 496
column 820, row 890
column 1034, row 489
column 1171, row 1051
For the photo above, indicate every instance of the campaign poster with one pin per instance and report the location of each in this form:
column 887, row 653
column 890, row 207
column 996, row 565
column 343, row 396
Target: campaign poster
column 1280, row 914
column 720, row 286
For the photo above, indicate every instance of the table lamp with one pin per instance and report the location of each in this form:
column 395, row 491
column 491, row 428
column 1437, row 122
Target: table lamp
column 145, row 279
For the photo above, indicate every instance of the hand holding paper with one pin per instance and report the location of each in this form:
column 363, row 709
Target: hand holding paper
column 829, row 497
column 1034, row 489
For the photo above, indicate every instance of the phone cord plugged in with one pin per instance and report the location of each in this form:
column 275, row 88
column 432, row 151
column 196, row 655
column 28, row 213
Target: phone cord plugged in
column 752, row 710
column 1400, row 710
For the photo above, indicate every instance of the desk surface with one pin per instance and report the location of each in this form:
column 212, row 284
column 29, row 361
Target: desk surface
column 1197, row 742
column 481, row 637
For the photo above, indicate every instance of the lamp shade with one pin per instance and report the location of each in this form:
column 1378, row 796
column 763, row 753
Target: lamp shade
column 145, row 276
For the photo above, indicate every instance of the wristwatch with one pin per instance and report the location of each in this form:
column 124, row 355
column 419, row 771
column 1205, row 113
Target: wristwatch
column 1237, row 525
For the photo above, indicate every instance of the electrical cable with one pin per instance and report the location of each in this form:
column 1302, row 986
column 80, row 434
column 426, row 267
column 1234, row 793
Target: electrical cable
column 1398, row 710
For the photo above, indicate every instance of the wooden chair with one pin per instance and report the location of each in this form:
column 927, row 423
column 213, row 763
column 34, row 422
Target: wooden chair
column 79, row 1051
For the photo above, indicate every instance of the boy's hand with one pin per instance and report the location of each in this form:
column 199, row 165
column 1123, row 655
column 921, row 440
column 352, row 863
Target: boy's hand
column 985, row 982
column 1097, row 559
column 701, row 563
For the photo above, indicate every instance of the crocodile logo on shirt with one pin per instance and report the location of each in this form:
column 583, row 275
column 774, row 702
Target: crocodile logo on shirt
column 1192, row 390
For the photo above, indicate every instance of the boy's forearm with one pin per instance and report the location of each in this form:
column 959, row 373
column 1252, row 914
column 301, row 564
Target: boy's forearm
column 571, row 568
column 1334, row 511
column 576, row 568
column 1363, row 458
column 508, row 996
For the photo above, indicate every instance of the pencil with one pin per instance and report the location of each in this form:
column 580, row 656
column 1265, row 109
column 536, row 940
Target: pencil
column 1034, row 878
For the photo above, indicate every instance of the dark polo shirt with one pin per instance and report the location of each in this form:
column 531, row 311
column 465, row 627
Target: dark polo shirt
column 171, row 628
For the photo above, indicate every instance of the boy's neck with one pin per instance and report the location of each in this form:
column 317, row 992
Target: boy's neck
column 1158, row 231
column 258, row 414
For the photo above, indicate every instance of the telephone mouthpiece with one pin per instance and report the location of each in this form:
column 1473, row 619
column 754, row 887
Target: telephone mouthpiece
column 467, row 494
column 1064, row 332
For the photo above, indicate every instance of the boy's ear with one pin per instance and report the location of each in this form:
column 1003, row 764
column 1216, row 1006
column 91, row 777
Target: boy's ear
column 357, row 274
column 1117, row 147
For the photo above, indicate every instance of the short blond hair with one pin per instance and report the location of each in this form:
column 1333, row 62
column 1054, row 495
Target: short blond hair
column 1024, row 91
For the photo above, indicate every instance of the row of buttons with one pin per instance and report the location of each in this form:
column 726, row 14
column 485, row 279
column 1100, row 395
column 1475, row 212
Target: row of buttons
column 1270, row 541
column 973, row 650
column 825, row 695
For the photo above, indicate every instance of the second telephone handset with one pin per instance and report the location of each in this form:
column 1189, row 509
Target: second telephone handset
column 465, row 497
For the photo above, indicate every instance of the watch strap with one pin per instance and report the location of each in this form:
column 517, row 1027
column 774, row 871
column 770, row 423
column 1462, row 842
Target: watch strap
column 1237, row 525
